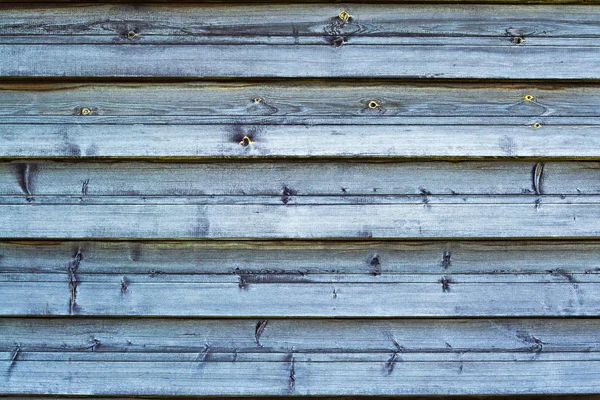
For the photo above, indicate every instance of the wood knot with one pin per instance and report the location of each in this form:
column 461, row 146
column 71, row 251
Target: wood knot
column 344, row 16
column 518, row 40
column 338, row 42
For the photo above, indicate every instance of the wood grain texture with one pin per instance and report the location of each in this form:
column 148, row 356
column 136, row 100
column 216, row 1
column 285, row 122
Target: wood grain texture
column 334, row 337
column 200, row 357
column 301, row 41
column 261, row 296
column 288, row 179
column 290, row 61
column 301, row 102
column 309, row 120
column 366, row 257
column 216, row 141
column 379, row 247
column 309, row 377
column 302, row 218
column 295, row 23
column 307, row 279
column 504, row 42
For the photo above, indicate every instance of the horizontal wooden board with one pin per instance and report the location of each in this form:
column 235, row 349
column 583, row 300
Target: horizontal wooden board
column 201, row 357
column 301, row 377
column 300, row 102
column 298, row 178
column 201, row 141
column 304, row 218
column 301, row 258
column 275, row 41
column 268, row 295
column 334, row 337
column 284, row 120
column 306, row 279
column 309, row 61
column 294, row 22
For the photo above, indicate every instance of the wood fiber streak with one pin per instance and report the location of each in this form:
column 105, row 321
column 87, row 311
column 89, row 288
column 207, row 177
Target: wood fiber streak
column 306, row 336
column 290, row 179
column 309, row 377
column 286, row 61
column 418, row 218
column 320, row 101
column 295, row 22
column 301, row 257
column 217, row 141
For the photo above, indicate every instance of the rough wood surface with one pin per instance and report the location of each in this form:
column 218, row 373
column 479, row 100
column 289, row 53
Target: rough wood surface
column 334, row 337
column 298, row 24
column 299, row 376
column 307, row 279
column 290, row 61
column 307, row 120
column 385, row 41
column 392, row 133
column 297, row 178
column 265, row 295
column 216, row 141
column 301, row 102
column 200, row 356
column 296, row 357
column 298, row 258
column 302, row 217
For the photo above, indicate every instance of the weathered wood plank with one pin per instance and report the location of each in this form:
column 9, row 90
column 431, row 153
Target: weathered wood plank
column 282, row 279
column 271, row 296
column 299, row 178
column 301, row 257
column 418, row 397
column 295, row 22
column 291, row 61
column 316, row 102
column 298, row 376
column 211, row 120
column 508, row 41
column 324, row 336
column 306, row 218
column 201, row 141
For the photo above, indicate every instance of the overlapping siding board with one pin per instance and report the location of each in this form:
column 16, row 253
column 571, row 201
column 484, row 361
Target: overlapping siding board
column 299, row 199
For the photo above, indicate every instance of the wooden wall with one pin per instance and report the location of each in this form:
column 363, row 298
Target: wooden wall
column 299, row 199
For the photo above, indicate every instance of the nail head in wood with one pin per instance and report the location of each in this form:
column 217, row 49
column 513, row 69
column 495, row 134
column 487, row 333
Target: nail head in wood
column 246, row 141
column 374, row 104
column 344, row 16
